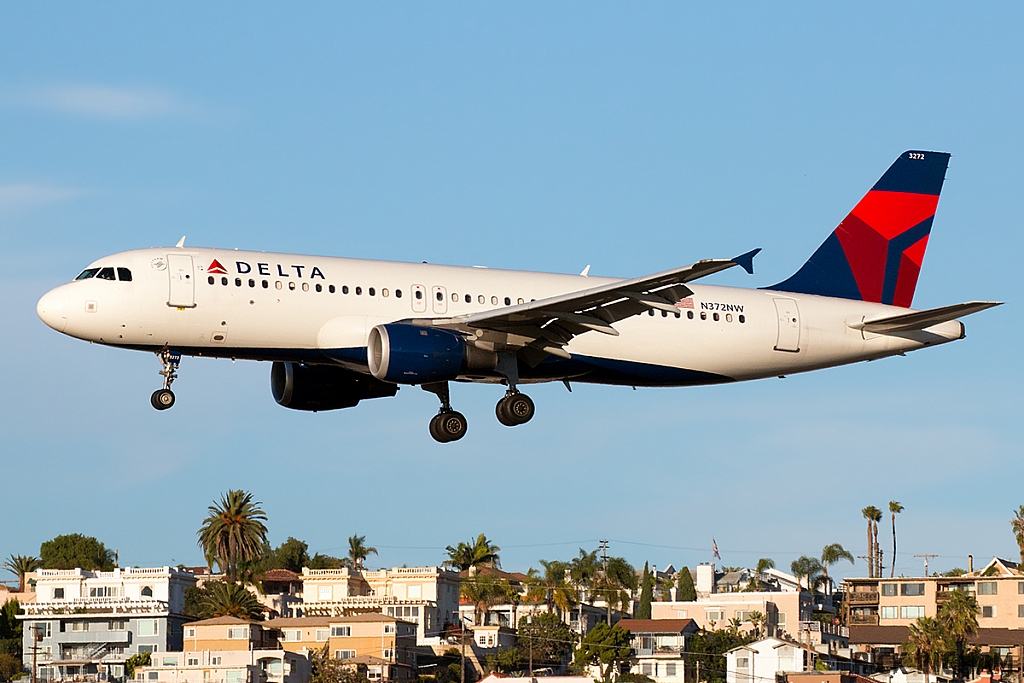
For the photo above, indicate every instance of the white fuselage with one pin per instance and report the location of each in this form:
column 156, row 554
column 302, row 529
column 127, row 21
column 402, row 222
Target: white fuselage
column 280, row 307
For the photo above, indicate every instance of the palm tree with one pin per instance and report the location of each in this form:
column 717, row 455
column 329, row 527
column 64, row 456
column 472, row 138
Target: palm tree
column 894, row 508
column 478, row 553
column 927, row 643
column 358, row 551
column 233, row 533
column 485, row 592
column 763, row 565
column 20, row 565
column 830, row 555
column 1017, row 524
column 757, row 618
column 616, row 584
column 224, row 599
column 959, row 617
column 808, row 568
column 582, row 574
column 872, row 514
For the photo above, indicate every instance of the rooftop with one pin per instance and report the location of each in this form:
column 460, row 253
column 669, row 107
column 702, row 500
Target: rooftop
column 657, row 625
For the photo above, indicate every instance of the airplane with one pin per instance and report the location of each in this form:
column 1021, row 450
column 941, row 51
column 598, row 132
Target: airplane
column 340, row 330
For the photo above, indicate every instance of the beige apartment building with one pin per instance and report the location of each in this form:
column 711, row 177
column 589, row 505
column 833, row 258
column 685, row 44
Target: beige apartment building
column 784, row 610
column 998, row 587
column 427, row 597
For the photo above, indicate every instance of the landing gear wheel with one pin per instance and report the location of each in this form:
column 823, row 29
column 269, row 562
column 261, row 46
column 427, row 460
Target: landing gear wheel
column 515, row 409
column 450, row 426
column 162, row 399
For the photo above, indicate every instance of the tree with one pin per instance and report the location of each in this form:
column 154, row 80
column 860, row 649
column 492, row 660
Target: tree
column 551, row 587
column 478, row 553
column 927, row 644
column 959, row 618
column 11, row 628
column 75, row 551
column 292, row 555
column 233, row 532
column 359, row 551
column 222, row 599
column 326, row 669
column 143, row 658
column 319, row 561
column 707, row 650
column 872, row 514
column 10, row 667
column 20, row 565
column 605, row 647
column 616, row 584
column 685, row 590
column 643, row 608
column 758, row 620
column 547, row 636
column 485, row 592
column 894, row 508
column 830, row 555
column 1017, row 524
column 806, row 568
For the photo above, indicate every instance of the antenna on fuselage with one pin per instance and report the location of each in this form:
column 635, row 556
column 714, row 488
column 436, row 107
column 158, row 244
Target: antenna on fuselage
column 181, row 243
column 586, row 271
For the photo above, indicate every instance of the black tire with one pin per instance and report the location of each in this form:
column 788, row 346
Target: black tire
column 503, row 414
column 435, row 429
column 520, row 408
column 452, row 426
column 162, row 399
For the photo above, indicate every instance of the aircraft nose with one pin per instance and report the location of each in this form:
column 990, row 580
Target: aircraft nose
column 52, row 309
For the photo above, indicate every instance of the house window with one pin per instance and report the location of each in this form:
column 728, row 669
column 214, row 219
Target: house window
column 988, row 588
column 43, row 627
column 102, row 592
column 238, row 633
column 147, row 591
column 344, row 654
column 1020, row 611
column 889, row 589
column 215, row 661
column 889, row 612
column 389, row 628
column 988, row 611
column 389, row 653
column 341, row 631
column 192, row 661
column 79, row 625
column 154, row 675
column 646, row 669
column 780, row 621
column 1020, row 587
column 911, row 611
column 681, row 614
column 148, row 627
column 912, row 589
column 670, row 669
column 147, row 648
column 321, row 634
column 716, row 615
column 58, row 593
column 190, row 632
column 169, row 661
column 291, row 635
column 117, row 625
column 741, row 663
column 324, row 592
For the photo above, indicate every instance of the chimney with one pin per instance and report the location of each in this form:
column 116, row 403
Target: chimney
column 705, row 578
column 970, row 563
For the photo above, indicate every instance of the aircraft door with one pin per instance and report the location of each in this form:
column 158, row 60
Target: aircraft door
column 439, row 297
column 418, row 298
column 789, row 325
column 182, row 281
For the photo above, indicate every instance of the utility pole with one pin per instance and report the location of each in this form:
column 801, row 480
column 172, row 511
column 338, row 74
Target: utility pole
column 462, row 673
column 604, row 554
column 37, row 638
column 871, row 569
column 926, row 557
column 529, row 622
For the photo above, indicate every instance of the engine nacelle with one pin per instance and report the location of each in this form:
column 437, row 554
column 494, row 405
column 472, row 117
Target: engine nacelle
column 408, row 354
column 323, row 387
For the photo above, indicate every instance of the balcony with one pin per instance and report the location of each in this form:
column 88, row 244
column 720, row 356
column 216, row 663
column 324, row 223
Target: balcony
column 863, row 597
column 864, row 619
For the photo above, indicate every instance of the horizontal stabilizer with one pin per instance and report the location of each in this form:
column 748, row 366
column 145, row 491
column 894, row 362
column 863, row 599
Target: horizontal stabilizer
column 919, row 320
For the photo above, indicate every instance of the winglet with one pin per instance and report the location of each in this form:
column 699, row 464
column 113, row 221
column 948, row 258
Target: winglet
column 181, row 243
column 746, row 261
column 586, row 271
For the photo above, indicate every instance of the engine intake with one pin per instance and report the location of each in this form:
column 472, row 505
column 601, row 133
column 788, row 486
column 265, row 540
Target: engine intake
column 323, row 387
column 407, row 354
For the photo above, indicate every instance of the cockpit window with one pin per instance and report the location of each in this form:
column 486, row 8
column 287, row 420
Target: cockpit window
column 106, row 274
column 88, row 273
column 124, row 275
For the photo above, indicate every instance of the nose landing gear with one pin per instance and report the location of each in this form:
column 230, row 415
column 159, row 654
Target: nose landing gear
column 162, row 399
column 447, row 425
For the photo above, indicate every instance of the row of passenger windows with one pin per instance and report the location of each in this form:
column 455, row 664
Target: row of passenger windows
column 123, row 274
column 703, row 316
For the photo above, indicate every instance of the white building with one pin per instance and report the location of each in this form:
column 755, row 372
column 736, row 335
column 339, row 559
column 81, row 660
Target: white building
column 760, row 661
column 226, row 666
column 659, row 647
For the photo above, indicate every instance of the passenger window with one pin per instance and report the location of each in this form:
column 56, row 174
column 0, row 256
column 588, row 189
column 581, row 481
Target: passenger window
column 398, row 293
column 359, row 290
column 291, row 286
column 344, row 289
column 508, row 301
column 728, row 317
column 678, row 314
column 743, row 318
column 664, row 314
column 330, row 289
column 715, row 316
column 419, row 294
column 651, row 312
column 703, row 315
column 210, row 279
column 455, row 298
column 689, row 314
column 481, row 298
column 469, row 299
column 305, row 286
column 266, row 284
column 105, row 274
column 384, row 292
column 494, row 301
column 124, row 275
column 440, row 296
column 252, row 283
column 277, row 284
column 521, row 300
column 87, row 273
column 319, row 288
column 371, row 291
column 238, row 282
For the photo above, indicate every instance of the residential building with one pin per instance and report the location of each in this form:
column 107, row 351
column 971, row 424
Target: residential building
column 659, row 647
column 226, row 666
column 281, row 593
column 227, row 633
column 764, row 659
column 998, row 587
column 882, row 646
column 425, row 596
column 493, row 638
column 384, row 645
column 90, row 622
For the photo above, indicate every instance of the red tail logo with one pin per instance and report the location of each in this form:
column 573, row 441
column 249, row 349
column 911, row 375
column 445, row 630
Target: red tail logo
column 216, row 267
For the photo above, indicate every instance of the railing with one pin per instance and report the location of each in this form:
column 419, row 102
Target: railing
column 827, row 629
column 864, row 619
column 96, row 606
column 859, row 597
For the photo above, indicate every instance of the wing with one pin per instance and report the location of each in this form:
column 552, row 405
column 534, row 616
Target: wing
column 547, row 325
column 919, row 320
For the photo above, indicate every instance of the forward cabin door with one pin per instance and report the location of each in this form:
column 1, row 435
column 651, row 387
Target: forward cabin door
column 789, row 325
column 183, row 283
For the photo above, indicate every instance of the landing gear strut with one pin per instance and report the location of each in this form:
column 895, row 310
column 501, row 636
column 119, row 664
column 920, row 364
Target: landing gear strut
column 447, row 425
column 162, row 399
column 514, row 408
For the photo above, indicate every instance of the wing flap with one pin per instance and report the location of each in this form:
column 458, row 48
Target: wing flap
column 919, row 320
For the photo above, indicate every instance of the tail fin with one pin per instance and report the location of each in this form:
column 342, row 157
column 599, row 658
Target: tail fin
column 876, row 252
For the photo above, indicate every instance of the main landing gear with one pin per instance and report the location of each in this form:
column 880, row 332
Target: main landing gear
column 447, row 425
column 515, row 408
column 162, row 399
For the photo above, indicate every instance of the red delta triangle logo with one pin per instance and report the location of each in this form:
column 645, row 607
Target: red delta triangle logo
column 216, row 267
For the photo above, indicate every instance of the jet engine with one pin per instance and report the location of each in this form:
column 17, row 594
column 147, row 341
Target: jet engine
column 323, row 387
column 407, row 354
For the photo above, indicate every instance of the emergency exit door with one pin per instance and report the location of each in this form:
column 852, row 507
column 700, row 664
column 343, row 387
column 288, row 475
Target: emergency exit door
column 789, row 325
column 182, row 281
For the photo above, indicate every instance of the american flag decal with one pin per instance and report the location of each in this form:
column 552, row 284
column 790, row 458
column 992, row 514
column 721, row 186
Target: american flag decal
column 685, row 303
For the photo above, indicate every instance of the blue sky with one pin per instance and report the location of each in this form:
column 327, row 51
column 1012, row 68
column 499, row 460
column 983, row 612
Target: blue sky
column 520, row 135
